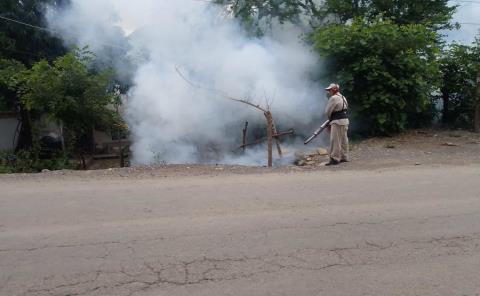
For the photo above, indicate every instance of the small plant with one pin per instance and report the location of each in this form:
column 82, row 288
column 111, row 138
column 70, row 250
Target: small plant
column 27, row 161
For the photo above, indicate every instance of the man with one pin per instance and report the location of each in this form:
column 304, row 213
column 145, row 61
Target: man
column 336, row 112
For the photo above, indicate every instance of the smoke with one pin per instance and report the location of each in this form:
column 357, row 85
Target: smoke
column 170, row 119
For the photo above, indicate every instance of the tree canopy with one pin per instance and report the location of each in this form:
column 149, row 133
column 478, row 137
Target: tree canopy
column 436, row 14
column 387, row 70
column 22, row 42
column 460, row 65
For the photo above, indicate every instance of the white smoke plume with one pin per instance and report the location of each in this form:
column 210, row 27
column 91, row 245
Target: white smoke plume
column 173, row 121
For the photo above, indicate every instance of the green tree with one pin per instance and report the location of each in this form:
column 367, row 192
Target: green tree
column 10, row 75
column 460, row 65
column 24, row 43
column 68, row 92
column 387, row 70
column 254, row 13
column 435, row 14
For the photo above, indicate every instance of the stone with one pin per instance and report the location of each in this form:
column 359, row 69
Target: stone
column 300, row 162
column 449, row 144
column 322, row 151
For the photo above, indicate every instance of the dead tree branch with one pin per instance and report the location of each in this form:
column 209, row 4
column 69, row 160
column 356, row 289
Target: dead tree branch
column 222, row 93
column 271, row 128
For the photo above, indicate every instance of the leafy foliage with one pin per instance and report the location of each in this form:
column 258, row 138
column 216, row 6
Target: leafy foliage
column 460, row 65
column 387, row 70
column 70, row 94
column 10, row 76
column 253, row 13
column 67, row 92
column 435, row 14
column 23, row 43
column 25, row 161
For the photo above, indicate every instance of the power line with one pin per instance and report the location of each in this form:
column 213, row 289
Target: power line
column 28, row 25
column 466, row 1
column 471, row 24
column 50, row 30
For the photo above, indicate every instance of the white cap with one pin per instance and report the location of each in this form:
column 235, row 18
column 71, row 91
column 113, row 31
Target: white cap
column 333, row 85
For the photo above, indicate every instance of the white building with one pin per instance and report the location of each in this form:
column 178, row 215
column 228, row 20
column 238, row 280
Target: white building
column 9, row 129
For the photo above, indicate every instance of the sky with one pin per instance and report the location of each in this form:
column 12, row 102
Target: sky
column 468, row 12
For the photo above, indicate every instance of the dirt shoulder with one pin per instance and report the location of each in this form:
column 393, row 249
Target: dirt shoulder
column 419, row 147
column 414, row 148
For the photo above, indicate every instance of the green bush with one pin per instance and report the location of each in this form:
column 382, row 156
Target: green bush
column 28, row 162
column 460, row 65
column 388, row 72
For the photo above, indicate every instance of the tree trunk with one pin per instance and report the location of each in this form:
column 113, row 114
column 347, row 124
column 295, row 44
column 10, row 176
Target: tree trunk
column 269, row 118
column 477, row 106
column 477, row 117
column 62, row 136
column 25, row 139
column 446, row 107
column 277, row 141
column 244, row 140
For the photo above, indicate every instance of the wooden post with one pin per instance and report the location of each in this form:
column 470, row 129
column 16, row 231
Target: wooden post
column 477, row 106
column 269, row 118
column 120, row 144
column 277, row 140
column 62, row 136
column 244, row 142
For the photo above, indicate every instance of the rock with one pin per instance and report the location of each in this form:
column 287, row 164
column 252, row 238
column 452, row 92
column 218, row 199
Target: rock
column 390, row 146
column 310, row 163
column 449, row 144
column 299, row 155
column 322, row 151
column 45, row 171
column 300, row 162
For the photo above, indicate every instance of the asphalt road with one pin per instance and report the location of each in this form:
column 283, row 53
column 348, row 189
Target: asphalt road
column 405, row 231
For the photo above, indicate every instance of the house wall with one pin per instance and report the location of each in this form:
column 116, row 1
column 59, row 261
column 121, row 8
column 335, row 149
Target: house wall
column 8, row 127
column 101, row 139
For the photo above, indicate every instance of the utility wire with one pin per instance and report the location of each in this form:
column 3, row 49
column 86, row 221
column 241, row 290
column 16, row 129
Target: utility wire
column 466, row 1
column 28, row 25
column 50, row 30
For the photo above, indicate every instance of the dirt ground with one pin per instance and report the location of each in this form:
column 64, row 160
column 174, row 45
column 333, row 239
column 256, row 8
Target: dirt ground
column 397, row 225
column 413, row 148
column 409, row 230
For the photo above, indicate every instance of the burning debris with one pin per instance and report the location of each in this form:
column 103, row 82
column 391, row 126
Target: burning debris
column 311, row 158
column 272, row 132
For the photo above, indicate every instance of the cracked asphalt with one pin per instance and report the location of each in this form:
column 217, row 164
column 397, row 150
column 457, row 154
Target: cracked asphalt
column 403, row 231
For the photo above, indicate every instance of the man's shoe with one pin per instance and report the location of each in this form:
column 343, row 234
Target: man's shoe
column 332, row 162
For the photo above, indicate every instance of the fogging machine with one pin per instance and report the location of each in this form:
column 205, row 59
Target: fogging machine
column 317, row 132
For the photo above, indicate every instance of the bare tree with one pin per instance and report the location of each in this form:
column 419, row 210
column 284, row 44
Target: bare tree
column 270, row 123
column 477, row 106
